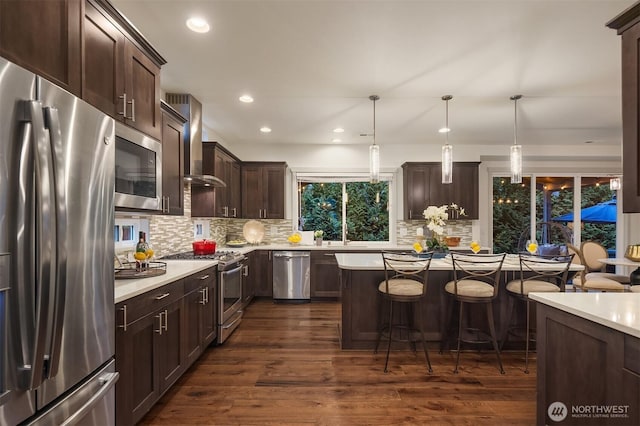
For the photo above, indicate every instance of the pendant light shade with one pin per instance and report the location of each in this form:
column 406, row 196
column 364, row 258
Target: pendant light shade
column 447, row 149
column 515, row 156
column 374, row 150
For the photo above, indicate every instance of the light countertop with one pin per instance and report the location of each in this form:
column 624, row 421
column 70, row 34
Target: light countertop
column 176, row 269
column 373, row 262
column 618, row 311
column 337, row 246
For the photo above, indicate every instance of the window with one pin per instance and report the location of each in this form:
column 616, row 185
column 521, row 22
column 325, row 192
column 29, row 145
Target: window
column 511, row 213
column 126, row 232
column 554, row 209
column 353, row 208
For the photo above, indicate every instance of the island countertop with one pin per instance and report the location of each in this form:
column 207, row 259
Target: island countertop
column 618, row 311
column 373, row 262
column 176, row 269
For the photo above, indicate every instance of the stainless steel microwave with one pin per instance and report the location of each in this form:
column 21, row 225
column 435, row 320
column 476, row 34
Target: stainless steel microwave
column 138, row 170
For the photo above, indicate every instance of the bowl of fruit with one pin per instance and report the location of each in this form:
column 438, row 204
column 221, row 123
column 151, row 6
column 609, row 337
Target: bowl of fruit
column 294, row 239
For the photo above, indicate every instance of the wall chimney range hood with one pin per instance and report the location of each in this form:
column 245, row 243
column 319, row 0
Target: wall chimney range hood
column 191, row 108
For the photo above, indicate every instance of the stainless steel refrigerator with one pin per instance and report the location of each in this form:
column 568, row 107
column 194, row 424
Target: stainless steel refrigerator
column 56, row 255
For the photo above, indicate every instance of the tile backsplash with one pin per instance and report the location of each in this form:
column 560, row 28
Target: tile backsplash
column 174, row 234
column 406, row 230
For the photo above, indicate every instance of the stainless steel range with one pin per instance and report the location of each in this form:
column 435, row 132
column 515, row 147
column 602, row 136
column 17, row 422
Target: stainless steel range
column 231, row 269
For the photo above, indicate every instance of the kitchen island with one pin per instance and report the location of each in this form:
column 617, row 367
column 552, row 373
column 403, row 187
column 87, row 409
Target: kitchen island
column 360, row 274
column 588, row 358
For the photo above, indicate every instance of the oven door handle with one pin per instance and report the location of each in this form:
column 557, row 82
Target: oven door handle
column 234, row 270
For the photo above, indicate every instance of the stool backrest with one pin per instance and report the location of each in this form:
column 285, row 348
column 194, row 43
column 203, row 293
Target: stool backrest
column 553, row 269
column 591, row 252
column 407, row 266
column 479, row 267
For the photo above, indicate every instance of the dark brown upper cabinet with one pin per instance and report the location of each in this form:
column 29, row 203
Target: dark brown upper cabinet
column 172, row 161
column 628, row 26
column 121, row 71
column 44, row 36
column 263, row 190
column 422, row 185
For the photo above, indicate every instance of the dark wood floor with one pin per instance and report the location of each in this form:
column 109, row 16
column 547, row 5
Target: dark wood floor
column 284, row 366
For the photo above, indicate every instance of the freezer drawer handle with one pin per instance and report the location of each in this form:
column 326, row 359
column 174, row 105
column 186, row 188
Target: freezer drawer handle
column 106, row 382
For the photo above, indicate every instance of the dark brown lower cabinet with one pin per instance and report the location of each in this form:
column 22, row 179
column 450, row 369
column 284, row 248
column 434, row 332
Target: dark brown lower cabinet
column 159, row 334
column 199, row 302
column 325, row 275
column 148, row 356
column 260, row 273
column 588, row 374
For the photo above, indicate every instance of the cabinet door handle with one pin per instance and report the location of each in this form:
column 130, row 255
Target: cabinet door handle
column 166, row 320
column 132, row 102
column 225, row 211
column 410, row 214
column 203, row 292
column 245, row 271
column 235, row 213
column 206, row 292
column 124, row 318
column 159, row 316
column 162, row 296
column 124, row 105
column 329, row 254
column 168, row 203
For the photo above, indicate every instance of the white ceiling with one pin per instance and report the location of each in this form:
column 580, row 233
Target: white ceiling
column 311, row 66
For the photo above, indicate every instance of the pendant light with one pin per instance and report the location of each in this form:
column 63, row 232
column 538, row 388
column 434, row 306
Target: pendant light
column 447, row 150
column 374, row 150
column 516, row 150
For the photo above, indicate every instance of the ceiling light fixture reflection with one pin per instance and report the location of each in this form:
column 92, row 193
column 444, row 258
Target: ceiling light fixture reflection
column 374, row 150
column 338, row 130
column 247, row 99
column 447, row 149
column 265, row 129
column 516, row 150
column 614, row 184
column 198, row 25
column 336, row 140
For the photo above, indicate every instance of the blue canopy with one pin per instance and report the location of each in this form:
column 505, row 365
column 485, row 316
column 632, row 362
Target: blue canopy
column 600, row 213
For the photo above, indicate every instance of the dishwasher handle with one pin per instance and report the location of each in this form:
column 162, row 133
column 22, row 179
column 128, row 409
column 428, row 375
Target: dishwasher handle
column 290, row 255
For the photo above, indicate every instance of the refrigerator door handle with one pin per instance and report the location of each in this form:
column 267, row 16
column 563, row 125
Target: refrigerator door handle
column 107, row 381
column 46, row 244
column 52, row 121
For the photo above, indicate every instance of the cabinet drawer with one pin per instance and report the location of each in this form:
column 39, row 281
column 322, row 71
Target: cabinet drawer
column 197, row 280
column 131, row 310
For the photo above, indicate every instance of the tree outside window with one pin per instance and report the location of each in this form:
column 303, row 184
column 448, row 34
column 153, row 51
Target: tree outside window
column 366, row 216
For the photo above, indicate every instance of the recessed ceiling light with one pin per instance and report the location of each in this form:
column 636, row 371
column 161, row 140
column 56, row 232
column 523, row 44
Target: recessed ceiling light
column 198, row 25
column 444, row 130
column 265, row 129
column 247, row 99
column 336, row 140
column 338, row 130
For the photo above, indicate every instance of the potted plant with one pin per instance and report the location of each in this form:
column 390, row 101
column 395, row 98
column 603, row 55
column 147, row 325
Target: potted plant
column 318, row 236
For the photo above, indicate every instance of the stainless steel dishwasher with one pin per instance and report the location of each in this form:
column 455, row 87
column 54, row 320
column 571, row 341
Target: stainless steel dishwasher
column 291, row 276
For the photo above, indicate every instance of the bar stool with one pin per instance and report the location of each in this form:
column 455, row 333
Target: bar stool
column 405, row 283
column 547, row 274
column 476, row 279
